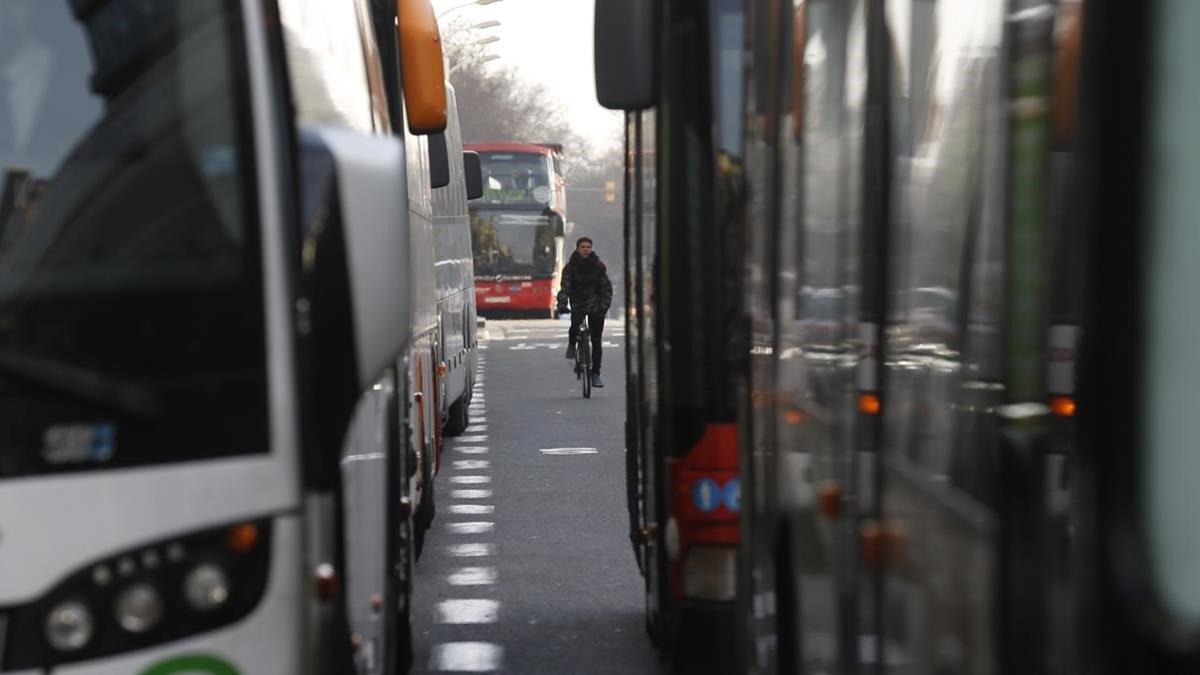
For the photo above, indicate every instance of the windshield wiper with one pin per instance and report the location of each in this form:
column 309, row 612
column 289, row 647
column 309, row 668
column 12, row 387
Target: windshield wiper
column 135, row 399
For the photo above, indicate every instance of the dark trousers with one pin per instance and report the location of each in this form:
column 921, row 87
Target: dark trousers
column 595, row 328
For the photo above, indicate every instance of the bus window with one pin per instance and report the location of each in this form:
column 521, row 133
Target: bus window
column 1171, row 366
column 130, row 283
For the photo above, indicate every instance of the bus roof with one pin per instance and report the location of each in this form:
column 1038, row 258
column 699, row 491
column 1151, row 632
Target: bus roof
column 509, row 146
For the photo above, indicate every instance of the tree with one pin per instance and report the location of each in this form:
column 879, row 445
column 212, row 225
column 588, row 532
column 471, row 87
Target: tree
column 498, row 104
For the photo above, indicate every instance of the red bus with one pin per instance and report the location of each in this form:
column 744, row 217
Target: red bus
column 517, row 228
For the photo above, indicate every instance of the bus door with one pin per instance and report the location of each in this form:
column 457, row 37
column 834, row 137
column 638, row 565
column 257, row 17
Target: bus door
column 1140, row 551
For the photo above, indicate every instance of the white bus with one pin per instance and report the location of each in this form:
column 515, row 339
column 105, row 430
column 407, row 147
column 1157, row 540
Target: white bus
column 204, row 262
column 454, row 269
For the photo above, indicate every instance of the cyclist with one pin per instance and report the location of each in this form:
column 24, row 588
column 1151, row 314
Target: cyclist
column 586, row 284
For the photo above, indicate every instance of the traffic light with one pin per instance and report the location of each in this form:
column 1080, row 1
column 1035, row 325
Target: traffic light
column 610, row 190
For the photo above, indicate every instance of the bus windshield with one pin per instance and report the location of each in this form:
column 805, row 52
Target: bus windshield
column 513, row 243
column 515, row 178
column 131, row 323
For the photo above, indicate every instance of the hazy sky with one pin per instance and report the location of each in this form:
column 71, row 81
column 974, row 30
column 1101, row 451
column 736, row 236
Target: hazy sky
column 548, row 41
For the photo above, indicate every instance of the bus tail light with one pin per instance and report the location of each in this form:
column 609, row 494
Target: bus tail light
column 710, row 573
column 704, row 527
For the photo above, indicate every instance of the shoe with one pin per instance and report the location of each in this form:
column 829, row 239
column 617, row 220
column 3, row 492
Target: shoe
column 596, row 381
column 570, row 352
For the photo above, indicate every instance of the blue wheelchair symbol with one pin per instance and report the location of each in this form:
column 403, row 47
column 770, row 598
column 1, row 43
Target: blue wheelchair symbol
column 732, row 495
column 706, row 494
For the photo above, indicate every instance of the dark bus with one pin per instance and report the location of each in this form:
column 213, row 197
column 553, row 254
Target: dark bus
column 683, row 321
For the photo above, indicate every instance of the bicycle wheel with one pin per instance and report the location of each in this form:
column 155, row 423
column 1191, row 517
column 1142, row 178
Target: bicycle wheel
column 585, row 361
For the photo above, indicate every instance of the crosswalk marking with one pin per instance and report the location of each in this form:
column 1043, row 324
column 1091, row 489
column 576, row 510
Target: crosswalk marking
column 472, row 576
column 473, row 550
column 478, row 527
column 471, row 464
column 467, row 657
column 471, row 494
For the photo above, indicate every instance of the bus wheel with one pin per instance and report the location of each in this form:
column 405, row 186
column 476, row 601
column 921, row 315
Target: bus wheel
column 424, row 516
column 458, row 418
column 398, row 568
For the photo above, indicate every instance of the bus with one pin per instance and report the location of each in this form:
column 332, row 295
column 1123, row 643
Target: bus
column 684, row 332
column 200, row 230
column 1137, row 467
column 908, row 468
column 458, row 340
column 905, row 275
column 517, row 228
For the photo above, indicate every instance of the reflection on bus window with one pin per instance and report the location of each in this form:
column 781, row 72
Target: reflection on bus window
column 130, row 303
column 515, row 178
column 1172, row 332
column 513, row 242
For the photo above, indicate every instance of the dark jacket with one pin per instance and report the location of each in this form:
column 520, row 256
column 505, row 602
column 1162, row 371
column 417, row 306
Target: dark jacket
column 585, row 281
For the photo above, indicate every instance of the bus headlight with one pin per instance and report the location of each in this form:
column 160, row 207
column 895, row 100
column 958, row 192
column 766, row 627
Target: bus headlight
column 139, row 608
column 206, row 587
column 69, row 626
column 152, row 594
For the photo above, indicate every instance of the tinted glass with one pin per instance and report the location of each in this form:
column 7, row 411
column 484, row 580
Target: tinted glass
column 512, row 242
column 131, row 326
column 515, row 178
column 1172, row 331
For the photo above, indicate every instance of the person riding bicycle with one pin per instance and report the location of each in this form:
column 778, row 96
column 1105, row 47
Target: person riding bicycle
column 586, row 284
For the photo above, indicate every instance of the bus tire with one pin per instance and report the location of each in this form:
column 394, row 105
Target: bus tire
column 397, row 598
column 424, row 516
column 458, row 418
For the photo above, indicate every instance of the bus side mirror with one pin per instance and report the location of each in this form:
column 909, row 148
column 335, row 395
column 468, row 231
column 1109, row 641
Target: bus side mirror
column 439, row 161
column 473, row 170
column 354, row 311
column 422, row 69
column 626, row 66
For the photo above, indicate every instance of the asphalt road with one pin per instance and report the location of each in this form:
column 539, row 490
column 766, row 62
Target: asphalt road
column 527, row 568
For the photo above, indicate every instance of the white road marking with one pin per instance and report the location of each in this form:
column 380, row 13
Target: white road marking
column 471, row 449
column 524, row 347
column 472, row 576
column 467, row 657
column 475, row 428
column 478, row 438
column 472, row 509
column 470, row 550
column 569, row 451
column 470, row 494
column 474, row 479
column 477, row 527
column 472, row 464
column 466, row 611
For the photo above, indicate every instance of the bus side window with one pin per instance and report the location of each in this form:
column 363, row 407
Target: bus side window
column 1170, row 362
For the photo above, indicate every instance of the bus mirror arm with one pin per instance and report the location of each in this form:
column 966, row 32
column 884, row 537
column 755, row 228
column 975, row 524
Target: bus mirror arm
column 352, row 313
column 473, row 173
column 439, row 161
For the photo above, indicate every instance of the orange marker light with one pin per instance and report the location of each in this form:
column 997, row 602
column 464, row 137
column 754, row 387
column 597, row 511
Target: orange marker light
column 871, row 539
column 243, row 538
column 1062, row 406
column 795, row 416
column 868, row 404
column 831, row 498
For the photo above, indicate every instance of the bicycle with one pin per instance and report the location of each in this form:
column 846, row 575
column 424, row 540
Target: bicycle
column 583, row 358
